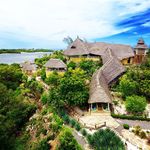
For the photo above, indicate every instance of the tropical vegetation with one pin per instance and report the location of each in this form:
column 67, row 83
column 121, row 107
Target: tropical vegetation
column 105, row 139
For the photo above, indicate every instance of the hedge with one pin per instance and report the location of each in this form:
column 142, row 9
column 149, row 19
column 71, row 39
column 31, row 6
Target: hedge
column 130, row 117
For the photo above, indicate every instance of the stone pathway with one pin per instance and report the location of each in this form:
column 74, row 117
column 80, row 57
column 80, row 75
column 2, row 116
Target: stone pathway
column 137, row 142
column 142, row 124
column 80, row 139
column 98, row 120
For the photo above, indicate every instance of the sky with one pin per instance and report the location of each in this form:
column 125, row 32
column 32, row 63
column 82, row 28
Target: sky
column 44, row 23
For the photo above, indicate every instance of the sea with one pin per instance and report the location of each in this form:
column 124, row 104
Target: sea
column 10, row 58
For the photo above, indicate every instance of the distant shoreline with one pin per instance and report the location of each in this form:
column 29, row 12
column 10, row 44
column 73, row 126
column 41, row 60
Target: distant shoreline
column 19, row 51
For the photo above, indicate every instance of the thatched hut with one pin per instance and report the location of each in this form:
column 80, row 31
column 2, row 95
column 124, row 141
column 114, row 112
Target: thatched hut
column 100, row 97
column 28, row 67
column 55, row 65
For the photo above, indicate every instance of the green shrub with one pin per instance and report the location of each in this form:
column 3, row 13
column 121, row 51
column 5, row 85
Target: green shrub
column 43, row 145
column 71, row 64
column 126, row 86
column 72, row 122
column 66, row 119
column 43, row 74
column 84, row 132
column 44, row 98
column 55, row 127
column 44, row 112
column 135, row 104
column 90, row 139
column 130, row 117
column 67, row 141
column 77, row 126
column 105, row 140
column 53, row 79
column 126, row 126
column 61, row 113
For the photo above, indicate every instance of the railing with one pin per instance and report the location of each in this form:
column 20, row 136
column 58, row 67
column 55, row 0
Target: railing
column 92, row 126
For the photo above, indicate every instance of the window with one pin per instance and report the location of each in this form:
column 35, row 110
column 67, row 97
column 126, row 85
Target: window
column 73, row 47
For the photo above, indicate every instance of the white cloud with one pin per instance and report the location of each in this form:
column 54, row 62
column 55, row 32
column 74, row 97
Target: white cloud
column 51, row 20
column 147, row 24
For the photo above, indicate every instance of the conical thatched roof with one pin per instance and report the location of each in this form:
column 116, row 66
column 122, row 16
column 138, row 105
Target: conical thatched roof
column 55, row 63
column 77, row 48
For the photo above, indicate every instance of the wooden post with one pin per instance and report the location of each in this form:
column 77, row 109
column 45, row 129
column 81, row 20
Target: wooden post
column 108, row 107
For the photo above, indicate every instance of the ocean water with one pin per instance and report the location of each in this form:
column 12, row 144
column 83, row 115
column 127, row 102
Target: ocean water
column 10, row 58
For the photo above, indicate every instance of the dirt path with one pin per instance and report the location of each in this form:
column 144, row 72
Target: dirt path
column 45, row 86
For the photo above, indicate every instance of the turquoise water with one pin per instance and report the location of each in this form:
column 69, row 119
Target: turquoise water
column 19, row 58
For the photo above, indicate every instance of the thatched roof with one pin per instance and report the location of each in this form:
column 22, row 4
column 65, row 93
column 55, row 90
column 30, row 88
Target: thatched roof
column 55, row 63
column 141, row 44
column 28, row 66
column 111, row 69
column 121, row 51
column 99, row 92
column 79, row 47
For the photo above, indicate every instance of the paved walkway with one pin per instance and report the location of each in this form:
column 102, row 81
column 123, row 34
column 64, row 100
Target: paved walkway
column 80, row 139
column 142, row 124
column 98, row 119
column 137, row 142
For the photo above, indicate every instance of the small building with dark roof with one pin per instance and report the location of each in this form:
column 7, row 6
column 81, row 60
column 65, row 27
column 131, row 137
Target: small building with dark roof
column 55, row 65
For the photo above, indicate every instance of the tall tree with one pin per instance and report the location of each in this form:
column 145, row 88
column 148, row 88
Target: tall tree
column 68, row 40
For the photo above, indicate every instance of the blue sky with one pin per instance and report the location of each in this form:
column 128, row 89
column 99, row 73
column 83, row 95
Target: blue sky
column 44, row 23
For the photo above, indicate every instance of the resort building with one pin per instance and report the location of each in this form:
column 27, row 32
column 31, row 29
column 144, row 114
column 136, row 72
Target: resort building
column 28, row 67
column 140, row 51
column 114, row 57
column 55, row 65
column 100, row 98
column 80, row 49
